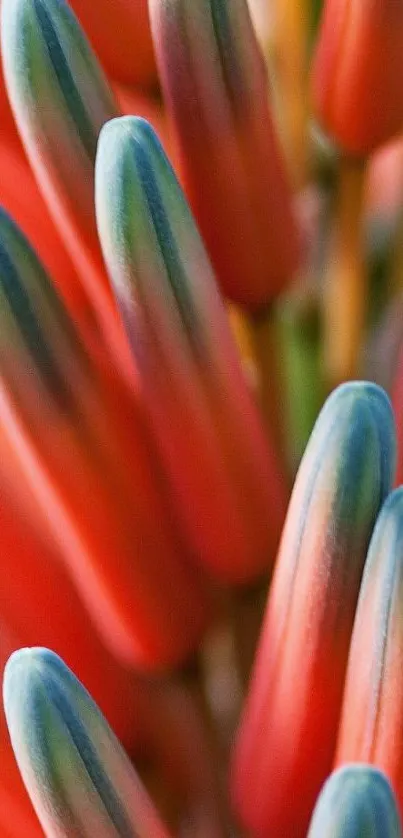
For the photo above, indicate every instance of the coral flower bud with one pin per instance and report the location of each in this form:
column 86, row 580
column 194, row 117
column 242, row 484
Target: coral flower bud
column 60, row 99
column 288, row 735
column 371, row 728
column 215, row 84
column 226, row 484
column 356, row 801
column 357, row 93
column 78, row 777
column 20, row 196
column 87, row 458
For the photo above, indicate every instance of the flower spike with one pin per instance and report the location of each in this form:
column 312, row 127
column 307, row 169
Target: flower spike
column 356, row 801
column 227, row 488
column 78, row 777
column 289, row 730
column 371, row 727
column 83, row 446
column 216, row 89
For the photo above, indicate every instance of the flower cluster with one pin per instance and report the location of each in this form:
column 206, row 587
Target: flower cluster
column 190, row 646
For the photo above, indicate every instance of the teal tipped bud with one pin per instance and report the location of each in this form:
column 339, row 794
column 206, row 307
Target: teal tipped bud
column 54, row 71
column 78, row 777
column 58, row 92
column 357, row 801
column 344, row 477
column 60, row 99
column 371, row 727
column 39, row 349
column 208, row 430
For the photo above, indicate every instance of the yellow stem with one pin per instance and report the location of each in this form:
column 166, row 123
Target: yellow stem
column 271, row 390
column 396, row 271
column 345, row 288
column 258, row 341
column 291, row 28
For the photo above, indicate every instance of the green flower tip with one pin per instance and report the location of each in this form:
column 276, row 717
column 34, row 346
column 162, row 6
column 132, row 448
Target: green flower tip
column 363, row 405
column 54, row 80
column 78, row 777
column 357, row 801
column 148, row 236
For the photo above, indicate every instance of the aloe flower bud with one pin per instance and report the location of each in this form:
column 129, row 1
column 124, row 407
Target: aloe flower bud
column 215, row 85
column 288, row 734
column 371, row 727
column 226, row 484
column 78, row 777
column 60, row 99
column 20, row 196
column 86, row 455
column 357, row 69
column 356, row 801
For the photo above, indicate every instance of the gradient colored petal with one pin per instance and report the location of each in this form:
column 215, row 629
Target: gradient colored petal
column 371, row 728
column 228, row 491
column 86, row 456
column 77, row 775
column 20, row 196
column 288, row 734
column 355, row 802
column 216, row 90
column 60, row 99
column 357, row 69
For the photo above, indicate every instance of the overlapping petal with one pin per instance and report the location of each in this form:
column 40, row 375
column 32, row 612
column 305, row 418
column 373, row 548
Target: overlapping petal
column 86, row 455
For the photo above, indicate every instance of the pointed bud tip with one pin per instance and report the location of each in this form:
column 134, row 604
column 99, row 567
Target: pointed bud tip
column 23, row 672
column 356, row 799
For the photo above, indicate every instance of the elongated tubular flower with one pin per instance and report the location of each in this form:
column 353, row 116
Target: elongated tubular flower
column 356, row 801
column 88, row 461
column 288, row 734
column 215, row 86
column 20, row 196
column 78, row 777
column 60, row 99
column 120, row 33
column 371, row 727
column 228, row 490
column 356, row 76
